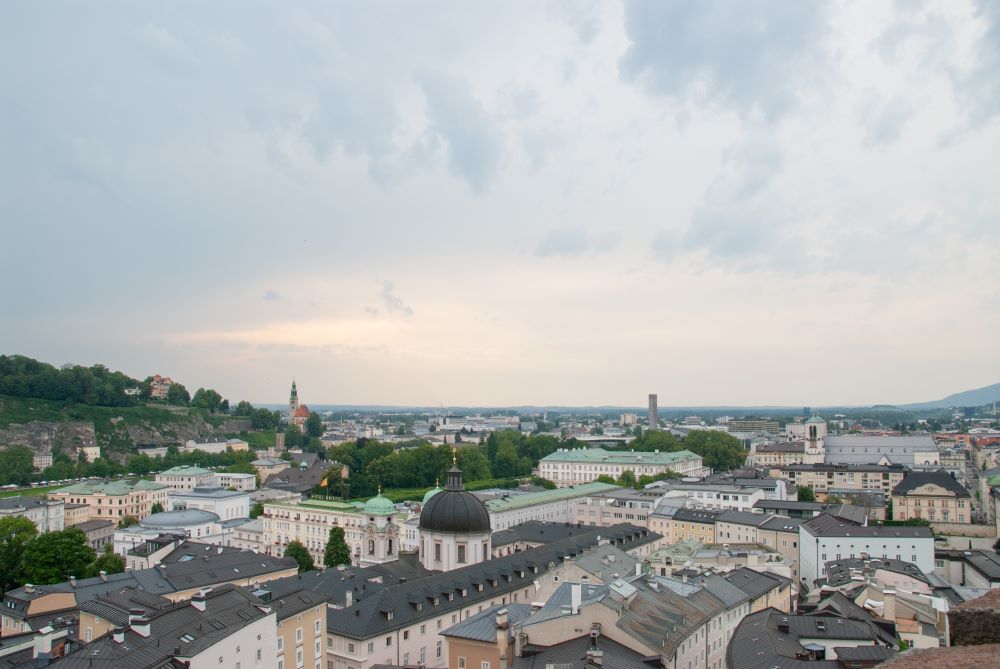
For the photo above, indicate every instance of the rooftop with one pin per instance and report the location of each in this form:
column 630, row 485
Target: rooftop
column 113, row 488
column 599, row 455
column 523, row 500
column 537, row 531
column 842, row 572
column 482, row 626
column 185, row 470
column 939, row 477
column 825, row 525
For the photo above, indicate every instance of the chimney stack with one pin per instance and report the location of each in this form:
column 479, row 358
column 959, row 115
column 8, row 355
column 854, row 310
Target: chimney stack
column 135, row 614
column 198, row 601
column 503, row 636
column 118, row 635
column 595, row 656
column 103, row 574
column 72, row 581
column 348, row 598
column 43, row 643
column 576, row 597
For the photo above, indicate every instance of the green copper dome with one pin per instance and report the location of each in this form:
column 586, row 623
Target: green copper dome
column 430, row 493
column 379, row 506
column 815, row 419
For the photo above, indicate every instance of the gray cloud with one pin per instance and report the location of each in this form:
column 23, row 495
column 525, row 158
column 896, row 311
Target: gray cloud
column 751, row 58
column 272, row 296
column 979, row 88
column 884, row 120
column 392, row 302
column 576, row 241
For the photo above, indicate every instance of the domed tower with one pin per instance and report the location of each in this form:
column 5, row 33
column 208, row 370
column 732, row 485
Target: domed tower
column 381, row 535
column 430, row 493
column 454, row 526
column 815, row 440
column 293, row 400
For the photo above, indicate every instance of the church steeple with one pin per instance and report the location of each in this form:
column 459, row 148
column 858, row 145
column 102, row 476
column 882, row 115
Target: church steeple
column 293, row 400
column 454, row 479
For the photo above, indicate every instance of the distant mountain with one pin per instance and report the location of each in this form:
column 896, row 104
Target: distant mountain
column 969, row 398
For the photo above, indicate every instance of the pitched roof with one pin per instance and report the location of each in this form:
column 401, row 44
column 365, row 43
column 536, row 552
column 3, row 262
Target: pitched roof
column 407, row 603
column 754, row 583
column 939, row 477
column 482, row 626
column 825, row 525
column 572, row 655
column 537, row 531
column 518, row 501
column 599, row 455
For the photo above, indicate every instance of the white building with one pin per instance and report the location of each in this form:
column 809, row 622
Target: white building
column 185, row 478
column 825, row 538
column 41, row 460
column 573, row 466
column 555, row 506
column 214, row 445
column 226, row 504
column 454, row 527
column 241, row 482
column 47, row 515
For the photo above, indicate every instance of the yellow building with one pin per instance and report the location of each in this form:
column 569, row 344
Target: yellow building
column 301, row 629
column 114, row 499
column 934, row 495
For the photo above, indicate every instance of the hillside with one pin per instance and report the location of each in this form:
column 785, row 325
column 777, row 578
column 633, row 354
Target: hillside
column 968, row 398
column 46, row 424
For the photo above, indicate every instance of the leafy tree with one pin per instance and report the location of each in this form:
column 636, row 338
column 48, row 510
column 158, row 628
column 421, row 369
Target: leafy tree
column 207, row 399
column 156, row 508
column 337, row 551
column 720, row 451
column 243, row 408
column 627, row 479
column 547, row 484
column 108, row 562
column 128, row 521
column 293, row 436
column 806, row 494
column 16, row 465
column 21, row 376
column 178, row 394
column 296, row 550
column 16, row 533
column 257, row 510
column 607, row 478
column 474, row 464
column 264, row 419
column 314, row 425
column 505, row 465
column 55, row 556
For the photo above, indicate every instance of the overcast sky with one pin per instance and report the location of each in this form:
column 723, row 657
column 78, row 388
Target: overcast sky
column 508, row 202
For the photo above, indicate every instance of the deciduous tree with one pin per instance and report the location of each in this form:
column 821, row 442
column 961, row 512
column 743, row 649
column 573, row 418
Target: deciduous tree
column 55, row 556
column 337, row 551
column 301, row 555
column 16, row 533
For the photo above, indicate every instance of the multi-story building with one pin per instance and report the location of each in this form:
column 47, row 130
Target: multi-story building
column 555, row 506
column 226, row 504
column 372, row 530
column 41, row 460
column 114, row 499
column 753, row 426
column 573, row 466
column 76, row 514
column 827, row 538
column 680, row 524
column 267, row 467
column 185, row 477
column 249, row 536
column 486, row 639
column 933, row 495
column 47, row 515
column 769, row 456
column 224, row 626
column 159, row 385
column 826, row 479
column 619, row 505
column 240, row 482
column 403, row 623
column 214, row 445
column 719, row 496
column 301, row 627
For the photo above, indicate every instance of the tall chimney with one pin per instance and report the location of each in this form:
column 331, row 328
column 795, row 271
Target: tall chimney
column 654, row 422
column 118, row 635
column 503, row 637
column 576, row 596
column 140, row 626
column 198, row 601
column 348, row 598
column 43, row 643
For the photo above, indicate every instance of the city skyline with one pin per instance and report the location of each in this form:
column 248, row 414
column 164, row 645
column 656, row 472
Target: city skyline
column 561, row 204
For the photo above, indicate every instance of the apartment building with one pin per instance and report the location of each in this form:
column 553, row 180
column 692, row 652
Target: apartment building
column 301, row 630
column 240, row 482
column 934, row 495
column 226, row 504
column 214, row 445
column 909, row 451
column 752, row 426
column 47, row 515
column 827, row 538
column 681, row 524
column 573, row 466
column 826, row 479
column 621, row 505
column 114, row 499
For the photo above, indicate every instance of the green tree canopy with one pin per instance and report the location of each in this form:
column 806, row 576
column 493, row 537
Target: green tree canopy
column 806, row 494
column 337, row 551
column 206, row 398
column 178, row 394
column 720, row 451
column 55, row 556
column 314, row 425
column 16, row 465
column 257, row 510
column 156, row 508
column 128, row 521
column 301, row 555
column 16, row 533
column 108, row 562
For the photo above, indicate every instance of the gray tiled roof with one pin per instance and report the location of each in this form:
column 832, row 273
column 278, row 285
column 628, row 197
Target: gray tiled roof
column 754, row 583
column 825, row 525
column 537, row 531
column 940, row 477
column 572, row 655
column 482, row 626
column 414, row 601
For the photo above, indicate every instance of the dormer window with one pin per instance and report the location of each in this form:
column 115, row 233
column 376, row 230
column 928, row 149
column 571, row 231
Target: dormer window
column 437, row 601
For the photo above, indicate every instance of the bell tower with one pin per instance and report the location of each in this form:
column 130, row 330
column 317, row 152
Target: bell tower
column 293, row 400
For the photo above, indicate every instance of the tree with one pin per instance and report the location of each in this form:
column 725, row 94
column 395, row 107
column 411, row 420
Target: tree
column 314, row 425
column 297, row 551
column 505, row 465
column 337, row 551
column 128, row 521
column 16, row 533
column 257, row 510
column 549, row 485
column 55, row 556
column 806, row 494
column 108, row 562
column 178, row 394
column 293, row 436
column 720, row 451
column 606, row 478
column 243, row 408
column 627, row 479
column 156, row 508
column 16, row 465
column 207, row 399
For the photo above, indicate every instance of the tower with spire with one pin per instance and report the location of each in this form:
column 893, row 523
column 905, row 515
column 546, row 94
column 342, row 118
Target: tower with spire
column 293, row 400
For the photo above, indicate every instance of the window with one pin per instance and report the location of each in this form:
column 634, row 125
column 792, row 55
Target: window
column 388, row 641
column 406, row 635
column 461, row 553
column 438, row 651
column 281, row 662
column 371, row 646
column 486, row 665
column 281, row 642
column 298, row 635
column 437, row 551
column 259, row 655
column 317, row 627
column 298, row 657
column 350, row 648
column 461, row 663
column 423, row 630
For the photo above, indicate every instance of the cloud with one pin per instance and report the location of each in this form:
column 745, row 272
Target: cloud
column 572, row 242
column 979, row 88
column 473, row 144
column 392, row 301
column 752, row 59
column 884, row 120
column 371, row 311
column 272, row 296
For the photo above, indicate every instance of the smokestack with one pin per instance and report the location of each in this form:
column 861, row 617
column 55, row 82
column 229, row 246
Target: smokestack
column 118, row 635
column 654, row 422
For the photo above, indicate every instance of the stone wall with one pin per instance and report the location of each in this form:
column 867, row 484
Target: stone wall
column 977, row 621
column 964, row 529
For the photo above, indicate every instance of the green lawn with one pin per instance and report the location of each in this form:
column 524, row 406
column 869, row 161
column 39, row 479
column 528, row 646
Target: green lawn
column 33, row 492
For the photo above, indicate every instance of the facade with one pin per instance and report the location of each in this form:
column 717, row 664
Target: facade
column 680, row 524
column 267, row 467
column 159, row 385
column 769, row 456
column 47, row 515
column 371, row 530
column 556, row 506
column 185, row 477
column 568, row 467
column 619, row 505
column 214, row 445
column 486, row 639
column 249, row 536
column 826, row 538
column 826, row 479
column 753, row 426
column 934, row 495
column 41, row 460
column 654, row 421
column 301, row 630
column 719, row 496
column 76, row 514
column 99, row 532
column 226, row 504
column 240, row 482
column 114, row 499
